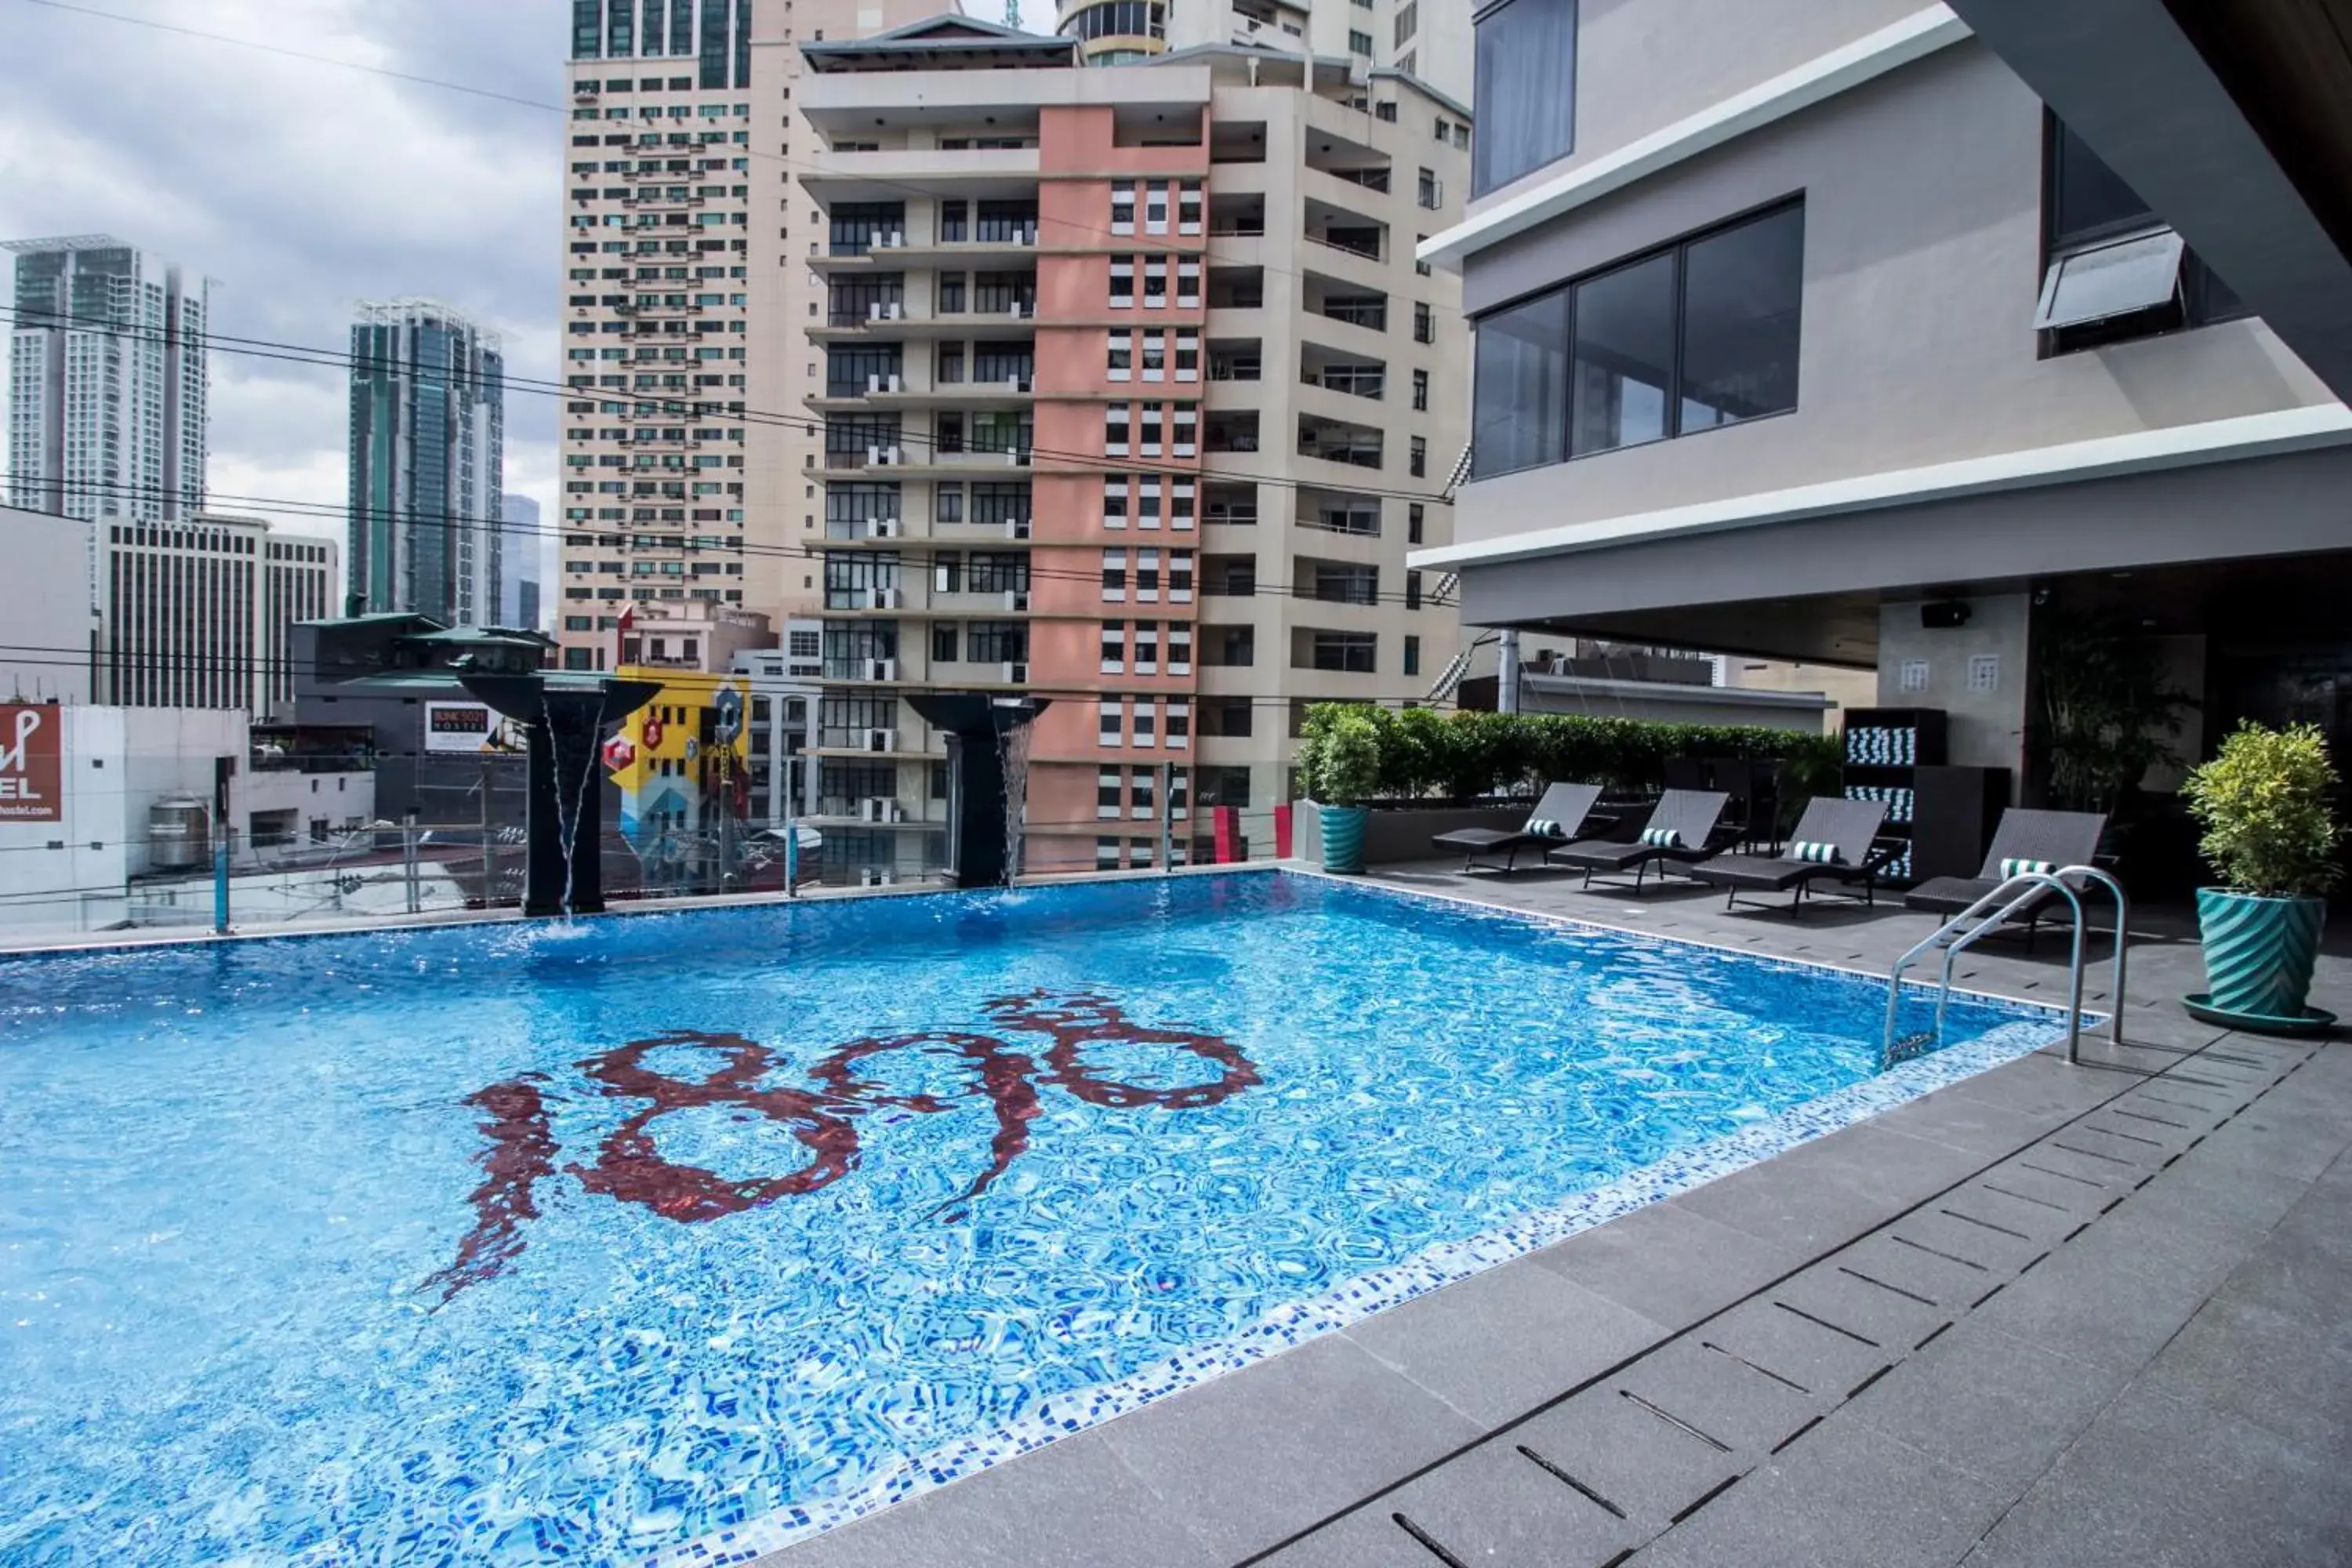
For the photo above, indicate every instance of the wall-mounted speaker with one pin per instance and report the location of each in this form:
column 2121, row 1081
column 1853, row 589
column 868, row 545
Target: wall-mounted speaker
column 1944, row 613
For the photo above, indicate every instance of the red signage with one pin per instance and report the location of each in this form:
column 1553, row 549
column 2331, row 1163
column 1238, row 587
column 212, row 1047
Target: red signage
column 32, row 740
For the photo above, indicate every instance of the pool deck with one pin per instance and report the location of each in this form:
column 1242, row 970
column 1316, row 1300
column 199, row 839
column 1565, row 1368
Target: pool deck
column 2049, row 1314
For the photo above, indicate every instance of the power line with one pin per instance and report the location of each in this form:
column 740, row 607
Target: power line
column 920, row 550
column 683, row 407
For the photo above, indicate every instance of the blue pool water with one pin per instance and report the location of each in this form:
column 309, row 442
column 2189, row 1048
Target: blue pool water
column 530, row 1243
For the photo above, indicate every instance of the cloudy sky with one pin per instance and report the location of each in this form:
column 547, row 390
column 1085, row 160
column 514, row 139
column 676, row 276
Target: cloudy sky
column 302, row 187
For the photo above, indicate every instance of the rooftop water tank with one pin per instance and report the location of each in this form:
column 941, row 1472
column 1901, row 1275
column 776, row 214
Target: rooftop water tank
column 179, row 833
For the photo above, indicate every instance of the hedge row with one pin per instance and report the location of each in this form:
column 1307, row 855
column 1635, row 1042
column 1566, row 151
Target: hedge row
column 1457, row 757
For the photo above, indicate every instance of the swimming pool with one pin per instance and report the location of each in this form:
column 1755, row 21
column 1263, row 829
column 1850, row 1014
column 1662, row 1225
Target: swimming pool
column 527, row 1242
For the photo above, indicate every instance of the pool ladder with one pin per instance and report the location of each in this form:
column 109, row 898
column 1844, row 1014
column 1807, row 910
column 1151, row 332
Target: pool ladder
column 1960, row 932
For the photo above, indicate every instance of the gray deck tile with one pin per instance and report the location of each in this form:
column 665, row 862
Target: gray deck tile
column 2210, row 1190
column 1071, row 1504
column 2298, row 1141
column 1840, row 1495
column 1970, row 1122
column 1826, row 1192
column 2112, row 1305
column 1496, row 1507
column 2065, row 1202
column 1672, row 1266
column 1885, row 1261
column 1499, row 1343
column 2154, row 1483
column 1818, row 1359
column 1367, row 1538
column 1644, row 1464
column 1938, row 1226
column 1254, row 1456
column 2285, row 1372
column 2041, row 1086
column 1731, row 1402
column 2029, row 1215
column 1894, row 1320
column 1998, row 1407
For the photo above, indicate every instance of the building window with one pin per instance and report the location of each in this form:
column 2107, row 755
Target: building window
column 1350, row 652
column 1421, row 392
column 1408, row 17
column 1360, row 43
column 1424, row 322
column 1189, row 199
column 1122, row 207
column 1412, row 522
column 1700, row 334
column 944, row 643
column 1526, row 92
column 1114, row 577
column 1106, row 851
column 1107, row 798
column 2113, row 271
column 1417, row 458
column 1122, row 356
column 1114, row 647
column 1430, row 190
column 1412, row 656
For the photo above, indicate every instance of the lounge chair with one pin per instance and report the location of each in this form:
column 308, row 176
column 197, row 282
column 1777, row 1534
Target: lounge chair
column 1563, row 816
column 1832, row 842
column 2054, row 838
column 1682, row 830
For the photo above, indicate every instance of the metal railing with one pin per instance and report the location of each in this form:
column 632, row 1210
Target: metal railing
column 2014, row 896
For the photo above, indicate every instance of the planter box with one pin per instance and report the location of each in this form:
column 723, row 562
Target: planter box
column 1397, row 835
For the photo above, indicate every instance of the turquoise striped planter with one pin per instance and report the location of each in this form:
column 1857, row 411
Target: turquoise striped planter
column 1343, row 836
column 2259, row 951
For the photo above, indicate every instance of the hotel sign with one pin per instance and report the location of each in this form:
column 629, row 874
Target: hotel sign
column 31, row 742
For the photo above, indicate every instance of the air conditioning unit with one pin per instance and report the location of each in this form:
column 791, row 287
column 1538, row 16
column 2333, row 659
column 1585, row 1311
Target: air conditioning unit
column 882, row 598
column 869, row 878
column 1016, row 598
column 881, row 528
column 881, row 740
column 1017, row 458
column 884, row 456
column 894, row 240
column 1016, row 528
column 885, row 310
column 1016, row 675
column 1021, row 310
column 1021, row 384
column 871, row 808
column 881, row 670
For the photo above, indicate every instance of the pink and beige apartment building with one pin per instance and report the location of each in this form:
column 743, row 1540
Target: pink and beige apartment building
column 1133, row 400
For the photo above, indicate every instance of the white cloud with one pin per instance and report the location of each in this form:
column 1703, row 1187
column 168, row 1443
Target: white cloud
column 302, row 187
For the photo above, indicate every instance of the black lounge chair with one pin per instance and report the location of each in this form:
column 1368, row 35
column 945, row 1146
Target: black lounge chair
column 1563, row 816
column 1848, row 827
column 1692, row 816
column 2056, row 839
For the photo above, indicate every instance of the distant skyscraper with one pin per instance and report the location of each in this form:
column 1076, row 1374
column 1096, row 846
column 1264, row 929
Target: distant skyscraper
column 106, row 383
column 427, row 432
column 519, row 604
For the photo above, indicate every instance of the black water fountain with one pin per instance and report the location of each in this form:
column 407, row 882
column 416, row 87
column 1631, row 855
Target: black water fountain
column 565, row 721
column 988, row 749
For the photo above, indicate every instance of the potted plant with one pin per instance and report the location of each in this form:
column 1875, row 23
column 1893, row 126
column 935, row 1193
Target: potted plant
column 2264, row 802
column 1344, row 771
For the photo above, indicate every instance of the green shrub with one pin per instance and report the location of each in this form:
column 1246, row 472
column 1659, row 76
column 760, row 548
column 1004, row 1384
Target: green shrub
column 1422, row 755
column 1347, row 760
column 2265, row 803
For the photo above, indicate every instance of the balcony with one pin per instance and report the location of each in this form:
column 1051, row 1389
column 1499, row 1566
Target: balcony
column 1331, row 441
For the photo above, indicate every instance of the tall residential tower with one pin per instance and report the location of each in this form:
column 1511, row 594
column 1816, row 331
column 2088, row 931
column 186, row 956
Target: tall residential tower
column 106, row 384
column 428, row 431
column 1369, row 35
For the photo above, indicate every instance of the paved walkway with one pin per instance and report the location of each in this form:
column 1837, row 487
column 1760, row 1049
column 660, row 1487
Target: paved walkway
column 2081, row 1315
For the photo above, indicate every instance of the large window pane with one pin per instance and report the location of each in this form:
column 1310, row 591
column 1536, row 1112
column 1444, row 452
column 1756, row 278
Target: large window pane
column 1519, row 403
column 2087, row 197
column 1624, row 355
column 1526, row 89
column 1741, row 290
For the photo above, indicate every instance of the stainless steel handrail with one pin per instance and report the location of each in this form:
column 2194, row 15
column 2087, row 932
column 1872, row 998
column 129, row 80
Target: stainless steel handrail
column 1990, row 913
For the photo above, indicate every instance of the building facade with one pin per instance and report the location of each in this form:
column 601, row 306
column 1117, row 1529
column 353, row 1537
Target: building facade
column 1840, row 342
column 522, row 565
column 683, row 310
column 427, row 454
column 1134, row 399
column 200, row 614
column 1369, row 35
column 106, row 381
column 52, row 627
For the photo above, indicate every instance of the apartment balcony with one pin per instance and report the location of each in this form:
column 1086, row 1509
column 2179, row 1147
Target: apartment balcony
column 1333, row 441
column 891, row 174
column 908, row 460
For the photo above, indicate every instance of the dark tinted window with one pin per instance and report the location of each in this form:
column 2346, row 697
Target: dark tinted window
column 1741, row 291
column 2087, row 198
column 1624, row 355
column 1526, row 89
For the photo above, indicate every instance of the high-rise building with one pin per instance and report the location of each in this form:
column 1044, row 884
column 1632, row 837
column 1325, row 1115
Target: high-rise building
column 1134, row 398
column 427, row 434
column 682, row 318
column 106, row 383
column 1369, row 35
column 197, row 614
column 522, row 553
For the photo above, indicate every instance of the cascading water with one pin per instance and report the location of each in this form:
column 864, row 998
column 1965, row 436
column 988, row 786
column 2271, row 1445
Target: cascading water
column 1012, row 751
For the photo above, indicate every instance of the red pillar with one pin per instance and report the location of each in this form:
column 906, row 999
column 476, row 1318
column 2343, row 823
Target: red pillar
column 1282, row 831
